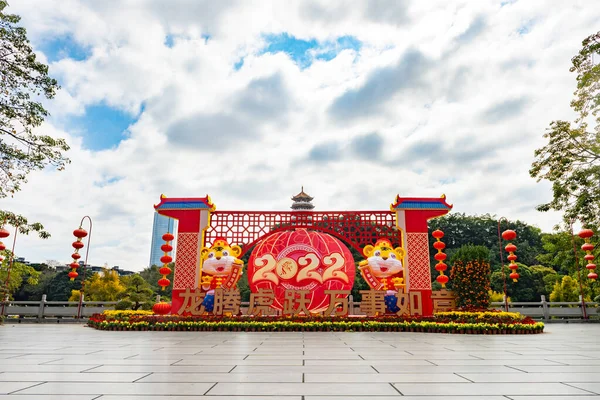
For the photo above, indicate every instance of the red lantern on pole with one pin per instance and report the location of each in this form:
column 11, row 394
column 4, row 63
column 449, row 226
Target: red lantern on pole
column 165, row 259
column 512, row 257
column 4, row 233
column 586, row 234
column 440, row 257
column 79, row 233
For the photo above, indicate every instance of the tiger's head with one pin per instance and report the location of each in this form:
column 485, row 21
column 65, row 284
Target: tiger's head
column 383, row 259
column 219, row 258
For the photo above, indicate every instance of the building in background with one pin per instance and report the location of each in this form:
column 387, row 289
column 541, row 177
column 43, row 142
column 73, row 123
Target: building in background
column 161, row 226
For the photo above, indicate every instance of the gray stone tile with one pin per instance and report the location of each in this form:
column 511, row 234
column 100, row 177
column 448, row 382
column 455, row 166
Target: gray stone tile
column 281, row 389
column 387, row 378
column 399, row 397
column 590, row 387
column 194, row 397
column 48, row 397
column 46, row 368
column 9, row 387
column 557, row 368
column 591, row 397
column 487, row 389
column 337, row 369
column 140, row 389
column 274, row 377
column 158, row 368
column 433, row 369
column 68, row 377
column 534, row 377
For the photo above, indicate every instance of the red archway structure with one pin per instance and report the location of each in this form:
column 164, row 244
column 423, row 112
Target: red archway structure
column 405, row 224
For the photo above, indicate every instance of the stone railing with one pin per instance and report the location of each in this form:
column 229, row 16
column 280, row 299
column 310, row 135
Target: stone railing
column 67, row 310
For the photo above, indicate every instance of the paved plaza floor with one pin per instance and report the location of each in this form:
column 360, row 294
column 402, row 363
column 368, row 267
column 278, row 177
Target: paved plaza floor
column 64, row 362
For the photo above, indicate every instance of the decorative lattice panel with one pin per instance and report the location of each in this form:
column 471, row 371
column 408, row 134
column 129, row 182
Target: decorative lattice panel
column 186, row 261
column 356, row 228
column 419, row 274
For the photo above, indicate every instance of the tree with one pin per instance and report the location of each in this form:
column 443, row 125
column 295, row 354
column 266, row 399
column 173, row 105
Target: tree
column 565, row 290
column 19, row 273
column 137, row 292
column 529, row 287
column 470, row 276
column 151, row 275
column 60, row 287
column 103, row 286
column 482, row 230
column 571, row 158
column 34, row 291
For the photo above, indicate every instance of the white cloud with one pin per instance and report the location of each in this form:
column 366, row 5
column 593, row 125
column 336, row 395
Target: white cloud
column 464, row 123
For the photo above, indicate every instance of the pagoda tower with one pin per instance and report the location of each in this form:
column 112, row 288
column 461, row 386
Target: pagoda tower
column 302, row 201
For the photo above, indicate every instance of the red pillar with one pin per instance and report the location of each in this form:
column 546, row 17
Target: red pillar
column 412, row 215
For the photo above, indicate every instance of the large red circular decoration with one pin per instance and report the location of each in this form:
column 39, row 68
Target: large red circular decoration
column 301, row 260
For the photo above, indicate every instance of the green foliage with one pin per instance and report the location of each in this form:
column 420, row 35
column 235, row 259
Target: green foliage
column 28, row 291
column 571, row 157
column 137, row 291
column 104, row 286
column 470, row 276
column 529, row 287
column 151, row 275
column 124, row 305
column 461, row 229
column 19, row 274
column 60, row 287
column 565, row 290
column 24, row 79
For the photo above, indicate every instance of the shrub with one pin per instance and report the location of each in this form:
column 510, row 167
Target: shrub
column 470, row 276
column 123, row 305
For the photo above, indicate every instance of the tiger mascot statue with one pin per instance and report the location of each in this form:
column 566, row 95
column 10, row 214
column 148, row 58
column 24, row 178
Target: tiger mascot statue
column 383, row 270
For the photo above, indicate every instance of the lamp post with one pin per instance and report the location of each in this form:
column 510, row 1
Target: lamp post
column 3, row 234
column 578, row 270
column 80, row 233
column 502, row 262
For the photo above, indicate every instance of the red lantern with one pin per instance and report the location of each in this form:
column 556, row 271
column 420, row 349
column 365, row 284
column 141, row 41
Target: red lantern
column 78, row 245
column 514, row 276
column 164, row 282
column 592, row 276
column 4, row 233
column 509, row 235
column 301, row 260
column 587, row 247
column 80, row 233
column 513, row 267
column 512, row 257
column 442, row 279
column 591, row 266
column 586, row 233
column 510, row 248
column 440, row 256
column 76, row 256
column 588, row 257
column 164, row 271
column 161, row 308
column 439, row 245
column 167, row 237
column 73, row 275
column 166, row 248
column 166, row 259
column 2, row 246
column 440, row 266
column 437, row 234
column 74, row 265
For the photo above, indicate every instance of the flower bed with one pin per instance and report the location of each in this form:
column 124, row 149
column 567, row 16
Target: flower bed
column 451, row 322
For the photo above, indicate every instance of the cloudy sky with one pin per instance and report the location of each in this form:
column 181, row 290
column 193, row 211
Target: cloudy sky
column 247, row 101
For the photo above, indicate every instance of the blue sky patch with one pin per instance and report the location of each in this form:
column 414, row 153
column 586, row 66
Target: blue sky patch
column 304, row 52
column 239, row 64
column 102, row 127
column 61, row 47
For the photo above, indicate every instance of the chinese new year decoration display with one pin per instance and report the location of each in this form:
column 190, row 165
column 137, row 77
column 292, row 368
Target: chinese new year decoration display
column 161, row 308
column 586, row 234
column 221, row 269
column 440, row 257
column 166, row 259
column 300, row 262
column 299, row 267
column 509, row 235
column 79, row 233
column 383, row 270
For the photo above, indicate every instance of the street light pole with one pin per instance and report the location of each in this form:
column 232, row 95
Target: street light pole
column 578, row 271
column 87, row 252
column 502, row 262
column 12, row 260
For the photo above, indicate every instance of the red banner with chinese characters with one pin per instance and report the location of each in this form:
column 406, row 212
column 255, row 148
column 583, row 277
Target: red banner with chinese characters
column 301, row 260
